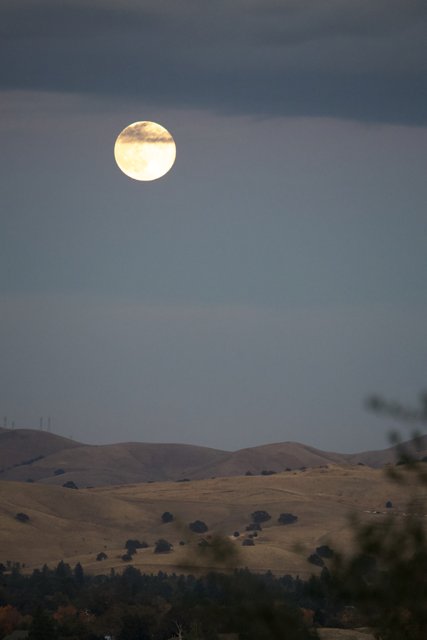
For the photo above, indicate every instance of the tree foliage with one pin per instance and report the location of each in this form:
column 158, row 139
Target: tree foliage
column 260, row 516
column 198, row 526
column 287, row 518
column 166, row 517
column 387, row 574
column 162, row 546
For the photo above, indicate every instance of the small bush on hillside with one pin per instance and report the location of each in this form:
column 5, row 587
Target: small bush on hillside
column 198, row 526
column 253, row 526
column 133, row 545
column 127, row 557
column 268, row 472
column 162, row 546
column 260, row 516
column 59, row 472
column 287, row 518
column 22, row 517
column 236, row 534
column 389, row 504
column 167, row 516
column 101, row 556
column 70, row 485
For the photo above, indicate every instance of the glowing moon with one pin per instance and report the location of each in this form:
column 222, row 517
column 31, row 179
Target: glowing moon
column 145, row 151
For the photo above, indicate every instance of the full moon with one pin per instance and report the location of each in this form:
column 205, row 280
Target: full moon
column 145, row 150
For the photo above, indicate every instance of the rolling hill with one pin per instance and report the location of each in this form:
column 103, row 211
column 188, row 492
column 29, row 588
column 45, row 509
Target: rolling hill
column 28, row 455
column 77, row 525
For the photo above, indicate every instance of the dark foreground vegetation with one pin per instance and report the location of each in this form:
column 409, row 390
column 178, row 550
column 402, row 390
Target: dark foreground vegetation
column 65, row 603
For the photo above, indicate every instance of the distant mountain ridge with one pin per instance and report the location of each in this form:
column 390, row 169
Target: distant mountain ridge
column 29, row 455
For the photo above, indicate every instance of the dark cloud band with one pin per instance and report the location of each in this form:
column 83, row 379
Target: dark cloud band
column 359, row 59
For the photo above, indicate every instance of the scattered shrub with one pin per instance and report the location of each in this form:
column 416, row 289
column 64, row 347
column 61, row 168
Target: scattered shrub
column 268, row 472
column 127, row 557
column 287, row 518
column 198, row 526
column 22, row 517
column 167, row 516
column 389, row 504
column 162, row 546
column 236, row 534
column 133, row 545
column 70, row 485
column 260, row 516
column 253, row 526
column 101, row 556
column 59, row 472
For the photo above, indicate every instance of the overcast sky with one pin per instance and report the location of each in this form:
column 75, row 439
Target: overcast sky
column 273, row 279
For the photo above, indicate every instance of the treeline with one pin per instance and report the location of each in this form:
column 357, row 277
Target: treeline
column 65, row 603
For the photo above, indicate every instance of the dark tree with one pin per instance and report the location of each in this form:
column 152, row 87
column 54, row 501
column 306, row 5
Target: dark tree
column 389, row 504
column 253, row 526
column 22, row 517
column 260, row 516
column 198, row 526
column 70, row 485
column 287, row 518
column 134, row 627
column 59, row 472
column 79, row 576
column 167, row 516
column 162, row 546
column 42, row 627
column 101, row 556
column 133, row 545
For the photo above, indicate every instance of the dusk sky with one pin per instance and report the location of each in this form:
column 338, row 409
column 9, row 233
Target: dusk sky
column 267, row 284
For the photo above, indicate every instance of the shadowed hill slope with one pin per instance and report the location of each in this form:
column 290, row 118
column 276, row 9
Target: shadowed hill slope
column 38, row 456
column 19, row 446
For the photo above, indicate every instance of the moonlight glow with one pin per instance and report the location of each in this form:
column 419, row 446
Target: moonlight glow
column 145, row 151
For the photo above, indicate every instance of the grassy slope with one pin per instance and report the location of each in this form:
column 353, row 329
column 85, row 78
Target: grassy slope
column 76, row 525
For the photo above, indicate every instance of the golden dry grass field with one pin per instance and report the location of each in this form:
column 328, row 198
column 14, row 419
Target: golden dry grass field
column 75, row 525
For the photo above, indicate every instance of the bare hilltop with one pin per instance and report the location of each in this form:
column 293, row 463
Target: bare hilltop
column 28, row 455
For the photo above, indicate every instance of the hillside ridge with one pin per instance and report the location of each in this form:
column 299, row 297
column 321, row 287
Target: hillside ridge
column 28, row 455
